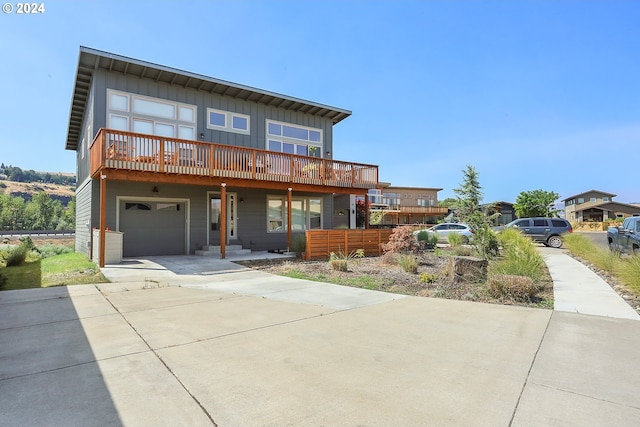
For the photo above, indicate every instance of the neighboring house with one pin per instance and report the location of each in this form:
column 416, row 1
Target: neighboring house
column 178, row 161
column 594, row 205
column 406, row 205
column 506, row 210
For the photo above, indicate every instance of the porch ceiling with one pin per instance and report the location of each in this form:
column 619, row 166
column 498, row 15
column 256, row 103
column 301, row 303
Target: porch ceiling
column 164, row 178
column 91, row 60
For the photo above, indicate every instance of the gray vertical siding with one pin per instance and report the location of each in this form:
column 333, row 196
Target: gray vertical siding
column 83, row 217
column 259, row 113
column 252, row 212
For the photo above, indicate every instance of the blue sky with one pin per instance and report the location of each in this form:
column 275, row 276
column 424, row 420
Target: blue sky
column 533, row 94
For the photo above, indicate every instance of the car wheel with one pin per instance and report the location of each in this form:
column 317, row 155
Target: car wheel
column 554, row 242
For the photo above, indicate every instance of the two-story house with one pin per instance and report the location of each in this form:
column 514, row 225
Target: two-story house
column 405, row 205
column 178, row 161
column 595, row 205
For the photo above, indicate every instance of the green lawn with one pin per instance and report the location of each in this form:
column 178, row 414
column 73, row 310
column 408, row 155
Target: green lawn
column 59, row 270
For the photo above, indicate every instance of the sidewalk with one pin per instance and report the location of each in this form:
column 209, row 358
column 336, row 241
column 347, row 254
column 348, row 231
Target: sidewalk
column 577, row 289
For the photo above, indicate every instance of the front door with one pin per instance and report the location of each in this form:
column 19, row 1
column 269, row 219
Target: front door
column 215, row 206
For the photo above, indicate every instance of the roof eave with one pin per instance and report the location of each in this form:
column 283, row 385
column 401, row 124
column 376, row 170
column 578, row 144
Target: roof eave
column 117, row 63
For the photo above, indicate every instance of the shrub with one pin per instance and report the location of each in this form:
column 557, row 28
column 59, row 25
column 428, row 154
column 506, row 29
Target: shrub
column 462, row 251
column 3, row 280
column 402, row 241
column 340, row 261
column 520, row 257
column 17, row 256
column 408, row 262
column 629, row 272
column 518, row 288
column 426, row 239
column 49, row 250
column 428, row 277
column 456, row 239
column 486, row 242
column 299, row 244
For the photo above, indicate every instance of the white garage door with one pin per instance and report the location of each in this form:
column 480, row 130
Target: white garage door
column 153, row 228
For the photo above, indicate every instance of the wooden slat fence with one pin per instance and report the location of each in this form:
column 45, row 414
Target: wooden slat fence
column 320, row 243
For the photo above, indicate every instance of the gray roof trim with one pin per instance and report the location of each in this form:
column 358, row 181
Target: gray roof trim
column 90, row 60
column 604, row 193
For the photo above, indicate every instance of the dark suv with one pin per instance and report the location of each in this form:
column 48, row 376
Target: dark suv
column 544, row 230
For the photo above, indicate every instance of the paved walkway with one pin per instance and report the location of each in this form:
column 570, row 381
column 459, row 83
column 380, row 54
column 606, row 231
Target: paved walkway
column 162, row 350
column 577, row 289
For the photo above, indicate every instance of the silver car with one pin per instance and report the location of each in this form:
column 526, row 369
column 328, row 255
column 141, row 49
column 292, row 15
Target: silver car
column 443, row 230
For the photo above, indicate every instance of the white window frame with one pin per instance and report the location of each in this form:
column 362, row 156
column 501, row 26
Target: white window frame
column 228, row 121
column 291, row 140
column 307, row 212
column 131, row 116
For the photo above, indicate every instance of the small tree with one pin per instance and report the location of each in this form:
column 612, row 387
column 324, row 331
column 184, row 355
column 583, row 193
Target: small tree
column 535, row 203
column 469, row 211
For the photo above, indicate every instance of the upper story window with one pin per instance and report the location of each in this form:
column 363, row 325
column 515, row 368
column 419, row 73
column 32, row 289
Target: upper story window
column 592, row 199
column 605, row 198
column 375, row 196
column 580, row 199
column 154, row 116
column 294, row 139
column 227, row 121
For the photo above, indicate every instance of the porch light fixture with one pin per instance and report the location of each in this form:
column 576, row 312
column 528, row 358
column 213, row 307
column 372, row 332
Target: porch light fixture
column 155, row 189
column 328, row 153
column 201, row 135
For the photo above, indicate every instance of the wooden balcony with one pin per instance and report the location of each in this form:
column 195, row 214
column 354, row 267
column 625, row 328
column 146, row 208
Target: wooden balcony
column 150, row 154
column 427, row 210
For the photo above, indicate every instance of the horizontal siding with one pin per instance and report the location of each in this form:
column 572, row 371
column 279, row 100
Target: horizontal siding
column 83, row 217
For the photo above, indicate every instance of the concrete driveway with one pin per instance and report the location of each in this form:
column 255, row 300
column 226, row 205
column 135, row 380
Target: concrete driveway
column 150, row 352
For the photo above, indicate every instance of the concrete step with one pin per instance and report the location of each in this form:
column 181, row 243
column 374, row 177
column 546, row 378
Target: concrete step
column 231, row 250
column 217, row 247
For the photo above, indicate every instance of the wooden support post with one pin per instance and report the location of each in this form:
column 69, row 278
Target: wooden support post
column 103, row 218
column 366, row 211
column 223, row 220
column 289, row 218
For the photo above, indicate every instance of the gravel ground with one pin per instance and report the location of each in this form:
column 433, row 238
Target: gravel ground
column 378, row 274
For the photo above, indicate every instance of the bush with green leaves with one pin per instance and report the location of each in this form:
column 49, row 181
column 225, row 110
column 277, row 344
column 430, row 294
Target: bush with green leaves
column 50, row 250
column 408, row 262
column 428, row 277
column 17, row 256
column 428, row 240
column 340, row 261
column 456, row 239
column 299, row 244
column 519, row 256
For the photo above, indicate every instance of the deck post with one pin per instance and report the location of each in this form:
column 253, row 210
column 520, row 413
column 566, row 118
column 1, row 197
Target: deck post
column 223, row 220
column 289, row 218
column 366, row 211
column 103, row 217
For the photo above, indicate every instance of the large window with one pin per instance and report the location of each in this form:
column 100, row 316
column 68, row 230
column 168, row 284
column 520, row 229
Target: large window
column 153, row 116
column 306, row 214
column 227, row 121
column 294, row 139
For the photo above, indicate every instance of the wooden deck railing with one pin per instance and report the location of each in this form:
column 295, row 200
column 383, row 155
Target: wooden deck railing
column 141, row 152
